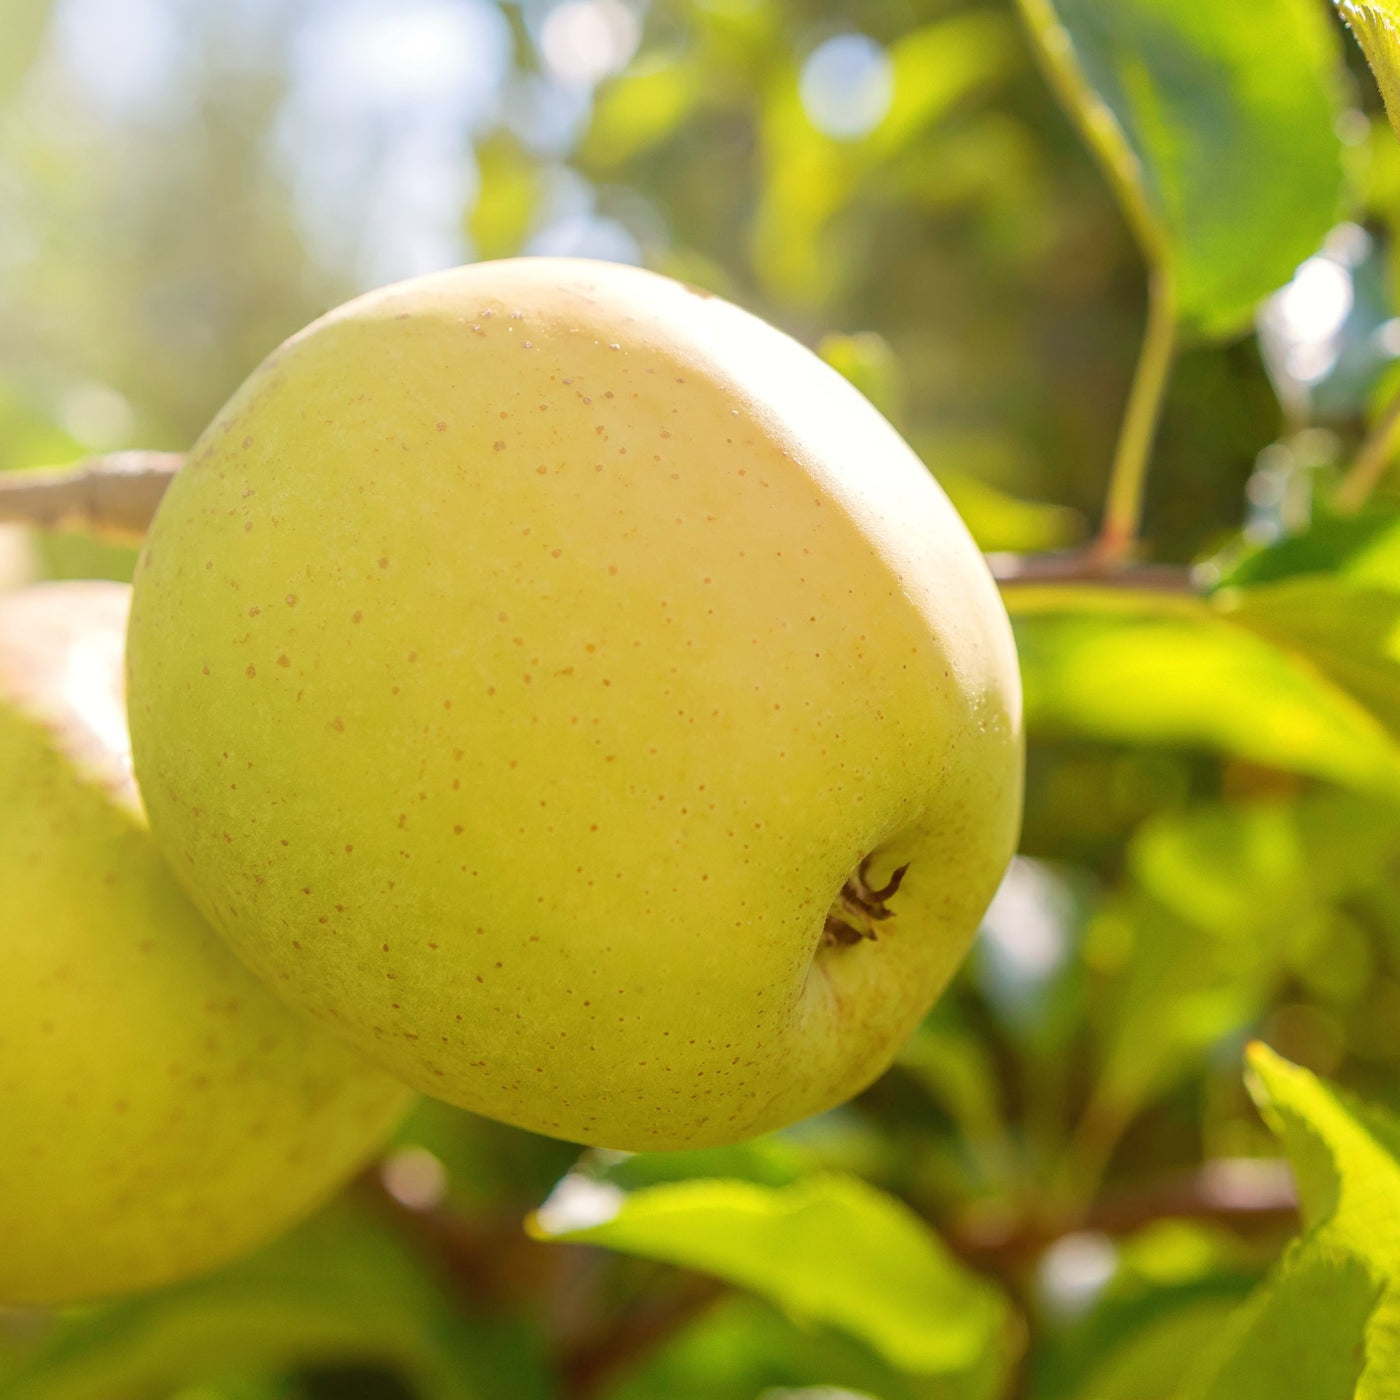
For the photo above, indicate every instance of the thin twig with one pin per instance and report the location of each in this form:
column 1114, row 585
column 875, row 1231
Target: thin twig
column 114, row 497
column 1371, row 461
column 1088, row 566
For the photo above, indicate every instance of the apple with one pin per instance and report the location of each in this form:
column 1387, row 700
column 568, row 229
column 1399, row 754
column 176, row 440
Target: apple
column 160, row 1110
column 572, row 690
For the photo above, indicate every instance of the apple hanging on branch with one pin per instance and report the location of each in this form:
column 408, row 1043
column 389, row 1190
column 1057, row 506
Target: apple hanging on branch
column 162, row 1112
column 571, row 690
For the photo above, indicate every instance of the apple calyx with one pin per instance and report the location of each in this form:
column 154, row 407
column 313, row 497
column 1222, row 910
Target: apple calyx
column 862, row 907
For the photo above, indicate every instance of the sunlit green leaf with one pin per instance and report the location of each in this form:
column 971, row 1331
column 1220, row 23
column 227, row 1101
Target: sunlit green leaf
column 829, row 1248
column 1349, row 630
column 1326, row 1324
column 1138, row 668
column 1194, row 110
column 1376, row 24
column 1364, row 548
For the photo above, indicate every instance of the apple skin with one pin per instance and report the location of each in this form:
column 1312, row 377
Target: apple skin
column 161, row 1111
column 523, row 662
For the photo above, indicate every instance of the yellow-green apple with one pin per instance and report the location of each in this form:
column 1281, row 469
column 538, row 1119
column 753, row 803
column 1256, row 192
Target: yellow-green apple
column 160, row 1110
column 543, row 672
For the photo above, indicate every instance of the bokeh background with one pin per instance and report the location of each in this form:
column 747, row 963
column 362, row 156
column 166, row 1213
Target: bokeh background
column 183, row 183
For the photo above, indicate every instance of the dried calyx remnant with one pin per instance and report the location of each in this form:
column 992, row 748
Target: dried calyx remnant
column 859, row 908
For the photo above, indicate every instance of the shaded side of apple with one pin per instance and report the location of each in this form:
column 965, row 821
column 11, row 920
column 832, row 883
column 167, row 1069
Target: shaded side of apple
column 524, row 664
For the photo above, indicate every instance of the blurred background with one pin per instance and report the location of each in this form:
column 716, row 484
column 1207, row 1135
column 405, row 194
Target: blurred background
column 183, row 183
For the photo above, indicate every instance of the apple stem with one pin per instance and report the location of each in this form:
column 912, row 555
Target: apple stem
column 1127, row 482
column 114, row 497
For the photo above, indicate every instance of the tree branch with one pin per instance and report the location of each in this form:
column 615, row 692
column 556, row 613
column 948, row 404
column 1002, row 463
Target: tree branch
column 113, row 497
column 1242, row 1193
column 1088, row 566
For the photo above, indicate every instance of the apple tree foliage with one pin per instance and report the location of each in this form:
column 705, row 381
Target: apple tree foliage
column 1063, row 242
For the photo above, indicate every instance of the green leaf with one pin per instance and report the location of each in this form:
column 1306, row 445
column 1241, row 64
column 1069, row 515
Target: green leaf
column 509, row 193
column 809, row 178
column 1225, row 902
column 869, row 361
column 1364, row 548
column 1139, row 668
column 1000, row 521
column 1193, row 110
column 1149, row 1364
column 956, row 1069
column 1331, row 594
column 1327, row 1321
column 1183, row 990
column 1242, row 872
column 936, row 68
column 1376, row 24
column 829, row 1249
column 741, row 1348
column 642, row 108
column 1350, row 631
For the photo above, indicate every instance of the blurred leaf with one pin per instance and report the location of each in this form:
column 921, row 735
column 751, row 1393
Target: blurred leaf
column 1002, row 522
column 641, row 108
column 1327, row 1321
column 810, row 177
column 1242, row 871
column 956, row 1070
column 937, row 67
column 338, row 1291
column 1349, row 630
column 1138, row 668
column 1332, row 594
column 509, row 192
column 23, row 24
column 870, row 363
column 1193, row 110
column 1222, row 897
column 742, row 1348
column 1176, row 1283
column 1149, row 1362
column 829, row 1249
column 1376, row 24
column 1364, row 548
column 1183, row 990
